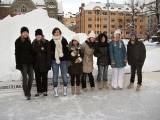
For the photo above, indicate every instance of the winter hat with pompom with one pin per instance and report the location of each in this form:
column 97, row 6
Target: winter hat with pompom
column 92, row 35
column 118, row 31
column 38, row 32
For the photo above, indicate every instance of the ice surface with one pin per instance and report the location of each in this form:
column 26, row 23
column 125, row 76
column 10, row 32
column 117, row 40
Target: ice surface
column 97, row 105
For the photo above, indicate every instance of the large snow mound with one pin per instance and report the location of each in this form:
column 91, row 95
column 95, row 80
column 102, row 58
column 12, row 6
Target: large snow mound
column 10, row 30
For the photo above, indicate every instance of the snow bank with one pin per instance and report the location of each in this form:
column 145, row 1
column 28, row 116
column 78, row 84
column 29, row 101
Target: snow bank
column 10, row 30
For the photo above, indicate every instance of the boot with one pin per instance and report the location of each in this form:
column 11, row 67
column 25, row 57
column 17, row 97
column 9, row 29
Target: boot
column 56, row 92
column 84, row 89
column 78, row 90
column 73, row 90
column 65, row 91
column 138, row 87
column 37, row 95
column 92, row 88
column 45, row 94
column 99, row 85
column 105, row 85
column 131, row 85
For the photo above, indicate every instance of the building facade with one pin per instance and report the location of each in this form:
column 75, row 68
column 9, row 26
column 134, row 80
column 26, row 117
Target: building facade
column 16, row 7
column 98, row 17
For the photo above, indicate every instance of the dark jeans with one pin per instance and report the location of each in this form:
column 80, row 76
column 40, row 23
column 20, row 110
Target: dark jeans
column 102, row 73
column 91, row 80
column 75, row 79
column 27, row 74
column 41, row 81
column 137, row 68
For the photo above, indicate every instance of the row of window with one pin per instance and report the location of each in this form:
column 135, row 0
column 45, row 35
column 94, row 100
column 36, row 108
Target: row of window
column 97, row 12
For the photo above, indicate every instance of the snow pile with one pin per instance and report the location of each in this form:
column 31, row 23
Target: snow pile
column 10, row 30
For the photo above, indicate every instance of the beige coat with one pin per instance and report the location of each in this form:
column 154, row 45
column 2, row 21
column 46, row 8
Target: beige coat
column 87, row 58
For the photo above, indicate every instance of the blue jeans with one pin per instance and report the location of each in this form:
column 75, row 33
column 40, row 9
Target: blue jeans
column 64, row 69
column 102, row 73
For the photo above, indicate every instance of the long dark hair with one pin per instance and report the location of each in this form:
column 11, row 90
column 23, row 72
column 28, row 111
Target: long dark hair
column 100, row 36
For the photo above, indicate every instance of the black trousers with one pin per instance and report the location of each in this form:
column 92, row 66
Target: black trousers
column 27, row 75
column 91, row 80
column 75, row 79
column 41, row 81
column 138, row 69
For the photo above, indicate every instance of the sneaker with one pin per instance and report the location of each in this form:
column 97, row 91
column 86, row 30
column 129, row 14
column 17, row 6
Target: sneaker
column 99, row 85
column 65, row 91
column 138, row 87
column 56, row 92
column 130, row 86
column 28, row 98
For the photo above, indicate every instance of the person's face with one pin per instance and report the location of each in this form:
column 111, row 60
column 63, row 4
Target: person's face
column 57, row 33
column 92, row 39
column 25, row 35
column 39, row 37
column 133, row 38
column 103, row 39
column 75, row 42
column 117, row 37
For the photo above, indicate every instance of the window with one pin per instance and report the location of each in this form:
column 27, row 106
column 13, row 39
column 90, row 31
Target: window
column 113, row 26
column 89, row 26
column 89, row 19
column 89, row 12
column 23, row 9
column 105, row 26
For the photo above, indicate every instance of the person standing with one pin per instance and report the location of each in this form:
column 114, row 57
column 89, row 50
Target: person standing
column 60, row 57
column 88, row 52
column 75, row 68
column 136, row 53
column 42, row 62
column 103, row 61
column 118, row 60
column 24, row 60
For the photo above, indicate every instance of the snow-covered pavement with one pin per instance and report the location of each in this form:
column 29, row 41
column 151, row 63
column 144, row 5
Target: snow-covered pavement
column 97, row 105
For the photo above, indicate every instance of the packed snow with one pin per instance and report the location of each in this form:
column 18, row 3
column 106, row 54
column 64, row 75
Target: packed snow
column 10, row 30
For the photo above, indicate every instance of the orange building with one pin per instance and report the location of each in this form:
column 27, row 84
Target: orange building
column 98, row 17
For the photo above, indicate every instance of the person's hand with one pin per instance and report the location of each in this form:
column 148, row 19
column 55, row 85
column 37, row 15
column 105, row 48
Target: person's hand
column 78, row 60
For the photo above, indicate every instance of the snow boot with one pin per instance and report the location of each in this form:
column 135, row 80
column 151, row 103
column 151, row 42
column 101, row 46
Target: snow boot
column 138, row 87
column 99, row 85
column 73, row 90
column 78, row 90
column 56, row 92
column 37, row 95
column 65, row 91
column 131, row 85
column 45, row 94
column 105, row 85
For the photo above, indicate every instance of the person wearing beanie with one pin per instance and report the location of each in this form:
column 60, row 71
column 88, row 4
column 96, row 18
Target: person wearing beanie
column 60, row 58
column 75, row 67
column 88, row 51
column 24, row 60
column 42, row 62
column 118, row 57
column 136, row 54
column 103, row 60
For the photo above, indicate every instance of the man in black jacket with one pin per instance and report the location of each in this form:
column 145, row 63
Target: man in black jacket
column 136, row 53
column 24, row 60
column 42, row 62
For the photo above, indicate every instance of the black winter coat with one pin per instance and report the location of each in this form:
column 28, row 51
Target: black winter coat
column 75, row 68
column 23, row 52
column 136, row 53
column 42, row 55
column 65, row 50
column 102, row 53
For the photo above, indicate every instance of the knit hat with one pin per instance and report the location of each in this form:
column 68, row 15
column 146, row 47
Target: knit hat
column 76, row 37
column 24, row 29
column 118, row 31
column 92, row 35
column 38, row 32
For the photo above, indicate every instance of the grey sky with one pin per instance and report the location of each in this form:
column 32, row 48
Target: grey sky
column 73, row 5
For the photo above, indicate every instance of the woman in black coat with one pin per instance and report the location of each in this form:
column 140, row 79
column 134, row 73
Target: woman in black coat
column 103, row 60
column 42, row 62
column 136, row 53
column 75, row 68
column 24, row 60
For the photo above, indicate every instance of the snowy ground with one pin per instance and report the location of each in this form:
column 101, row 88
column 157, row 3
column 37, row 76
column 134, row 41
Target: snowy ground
column 97, row 105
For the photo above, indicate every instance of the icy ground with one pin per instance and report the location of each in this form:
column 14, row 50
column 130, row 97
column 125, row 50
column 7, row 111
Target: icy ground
column 97, row 105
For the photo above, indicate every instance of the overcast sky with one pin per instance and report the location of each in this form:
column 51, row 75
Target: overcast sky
column 73, row 5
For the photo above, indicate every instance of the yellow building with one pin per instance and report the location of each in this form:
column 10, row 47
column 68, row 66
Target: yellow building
column 98, row 17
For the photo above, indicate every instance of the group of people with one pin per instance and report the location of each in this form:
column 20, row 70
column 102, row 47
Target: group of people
column 75, row 58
